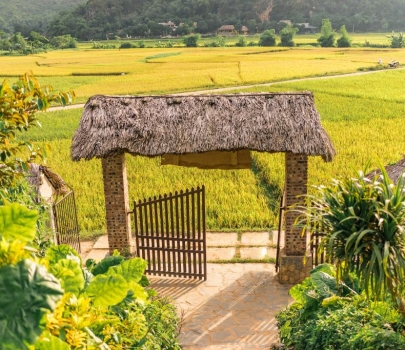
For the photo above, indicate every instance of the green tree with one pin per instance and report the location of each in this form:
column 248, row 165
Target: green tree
column 191, row 40
column 19, row 103
column 268, row 38
column 327, row 38
column 17, row 42
column 344, row 40
column 287, row 36
column 64, row 42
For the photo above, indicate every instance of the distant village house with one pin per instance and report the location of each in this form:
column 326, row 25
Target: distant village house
column 227, row 30
column 306, row 28
column 244, row 30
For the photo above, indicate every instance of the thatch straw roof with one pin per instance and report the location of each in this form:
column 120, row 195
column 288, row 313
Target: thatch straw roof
column 394, row 171
column 156, row 125
column 34, row 179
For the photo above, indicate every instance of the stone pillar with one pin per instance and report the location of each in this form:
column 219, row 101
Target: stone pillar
column 116, row 202
column 293, row 268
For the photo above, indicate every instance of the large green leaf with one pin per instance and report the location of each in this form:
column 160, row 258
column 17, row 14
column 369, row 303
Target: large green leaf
column 107, row 290
column 27, row 291
column 58, row 252
column 138, row 292
column 106, row 263
column 50, row 342
column 324, row 284
column 132, row 269
column 18, row 222
column 70, row 274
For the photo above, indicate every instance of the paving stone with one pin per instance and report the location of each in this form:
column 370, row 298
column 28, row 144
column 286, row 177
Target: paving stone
column 253, row 253
column 255, row 238
column 233, row 310
column 97, row 254
column 220, row 253
column 101, row 243
column 275, row 237
column 222, row 239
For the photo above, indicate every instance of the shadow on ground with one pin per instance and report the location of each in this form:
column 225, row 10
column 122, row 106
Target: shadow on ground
column 233, row 309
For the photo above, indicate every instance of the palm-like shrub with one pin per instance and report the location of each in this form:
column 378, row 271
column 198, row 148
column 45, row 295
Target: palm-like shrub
column 363, row 221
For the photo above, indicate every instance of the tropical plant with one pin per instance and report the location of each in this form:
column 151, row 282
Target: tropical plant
column 19, row 103
column 268, row 38
column 326, row 315
column 363, row 220
column 28, row 290
column 344, row 40
column 327, row 38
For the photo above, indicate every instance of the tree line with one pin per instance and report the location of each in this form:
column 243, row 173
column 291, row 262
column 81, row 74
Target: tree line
column 101, row 19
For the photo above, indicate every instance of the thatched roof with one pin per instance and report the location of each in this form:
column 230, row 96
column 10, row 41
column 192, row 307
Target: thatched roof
column 156, row 125
column 227, row 27
column 394, row 171
column 34, row 179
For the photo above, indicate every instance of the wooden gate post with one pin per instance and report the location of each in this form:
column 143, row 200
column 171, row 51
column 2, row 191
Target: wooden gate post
column 116, row 202
column 292, row 266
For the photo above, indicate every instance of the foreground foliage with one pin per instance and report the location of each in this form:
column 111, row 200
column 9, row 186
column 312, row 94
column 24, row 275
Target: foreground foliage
column 53, row 302
column 327, row 315
column 363, row 220
column 19, row 104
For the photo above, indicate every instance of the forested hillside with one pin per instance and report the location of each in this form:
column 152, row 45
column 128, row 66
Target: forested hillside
column 97, row 19
column 26, row 15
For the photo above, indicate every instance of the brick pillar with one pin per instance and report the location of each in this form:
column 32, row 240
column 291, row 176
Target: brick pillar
column 296, row 179
column 292, row 266
column 116, row 202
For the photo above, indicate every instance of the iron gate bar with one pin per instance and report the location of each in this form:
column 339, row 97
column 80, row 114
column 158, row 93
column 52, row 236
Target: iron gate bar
column 66, row 223
column 280, row 227
column 170, row 233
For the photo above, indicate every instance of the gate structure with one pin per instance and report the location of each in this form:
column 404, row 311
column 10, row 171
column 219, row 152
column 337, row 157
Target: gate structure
column 170, row 234
column 65, row 221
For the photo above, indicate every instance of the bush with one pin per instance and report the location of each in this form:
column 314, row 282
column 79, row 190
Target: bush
column 74, row 307
column 326, row 315
column 344, row 40
column 126, row 45
column 191, row 40
column 362, row 221
column 268, row 38
column 64, row 42
column 287, row 36
column 241, row 42
column 327, row 38
column 218, row 41
column 98, row 45
column 396, row 40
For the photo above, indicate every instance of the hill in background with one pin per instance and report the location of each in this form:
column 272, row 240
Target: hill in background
column 18, row 15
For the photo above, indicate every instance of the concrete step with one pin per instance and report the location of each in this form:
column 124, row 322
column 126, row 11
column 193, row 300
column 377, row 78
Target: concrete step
column 221, row 246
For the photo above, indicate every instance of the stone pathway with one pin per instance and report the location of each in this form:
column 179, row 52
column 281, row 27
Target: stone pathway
column 235, row 308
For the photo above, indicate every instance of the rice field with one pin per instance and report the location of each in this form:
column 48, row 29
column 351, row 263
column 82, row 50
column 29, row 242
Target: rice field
column 362, row 114
column 160, row 71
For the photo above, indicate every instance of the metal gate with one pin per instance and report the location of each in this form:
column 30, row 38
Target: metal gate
column 65, row 221
column 170, row 233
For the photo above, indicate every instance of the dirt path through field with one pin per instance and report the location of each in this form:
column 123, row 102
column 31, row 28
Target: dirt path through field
column 240, row 87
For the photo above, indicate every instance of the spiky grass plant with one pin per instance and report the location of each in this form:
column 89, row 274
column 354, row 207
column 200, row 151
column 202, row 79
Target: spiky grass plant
column 363, row 222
